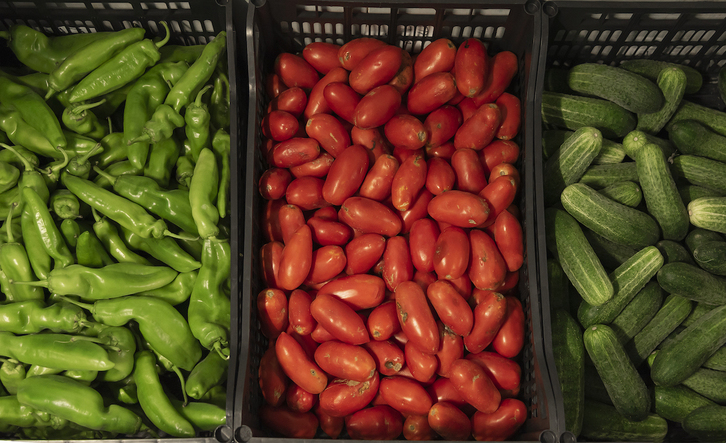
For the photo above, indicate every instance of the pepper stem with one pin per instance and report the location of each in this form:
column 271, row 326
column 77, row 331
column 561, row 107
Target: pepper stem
column 39, row 283
column 85, row 306
column 28, row 166
column 166, row 39
column 200, row 95
column 145, row 137
column 9, row 221
column 82, row 108
column 222, row 351
column 95, row 150
column 53, row 170
column 105, row 175
column 95, row 214
column 168, row 233
column 183, row 384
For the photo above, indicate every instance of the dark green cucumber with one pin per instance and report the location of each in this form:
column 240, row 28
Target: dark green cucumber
column 701, row 171
column 711, row 257
column 631, row 91
column 610, row 253
column 577, row 258
column 672, row 83
column 674, row 252
column 568, row 163
column 567, row 111
column 600, row 176
column 708, row 213
column 671, row 337
column 555, row 80
column 626, row 193
column 660, row 193
column 638, row 313
column 552, row 139
column 616, row 222
column 683, row 356
column 675, row 309
column 627, row 280
column 626, row 388
column 693, row 283
column 559, row 286
column 693, row 138
column 610, row 153
column 594, row 387
column 712, row 118
column 603, row 422
column 717, row 361
column 569, row 353
column 674, row 403
column 699, row 236
column 635, row 140
column 698, row 310
column 651, row 69
column 691, row 192
column 707, row 423
column 709, row 383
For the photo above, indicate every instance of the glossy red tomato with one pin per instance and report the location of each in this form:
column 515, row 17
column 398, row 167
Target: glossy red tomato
column 383, row 321
column 316, row 98
column 272, row 309
column 295, row 152
column 291, row 218
column 417, row 210
column 369, row 216
column 342, row 99
column 500, row 425
column 508, row 237
column 409, row 179
column 291, row 100
column 440, row 176
column 377, row 68
column 405, row 395
column 422, row 366
column 295, row 71
column 359, row 291
column 317, row 168
column 306, row 192
column 417, row 428
column 505, row 373
column 415, row 316
column 424, row 279
column 339, row 319
column 378, row 181
column 300, row 319
column 406, row 131
column 487, row 268
column 296, row 259
column 270, row 254
column 328, row 261
column 273, row 183
column 442, row 124
column 298, row 399
column 449, row 422
column 289, row 423
column 503, row 68
column 489, row 315
column 322, row 56
column 422, row 243
column 480, row 129
column 345, row 361
column 510, row 339
column 451, row 307
column 397, row 265
column 377, row 107
column 451, row 253
column 452, row 349
column 460, row 208
column 329, row 132
column 510, row 107
column 389, row 356
column 298, row 366
column 352, row 52
column 438, row 56
column 363, row 252
column 376, row 423
column 331, row 426
column 470, row 174
column 345, row 397
column 279, row 125
column 471, row 65
column 329, row 232
column 432, row 92
column 346, row 174
column 475, row 386
column 272, row 379
column 443, row 390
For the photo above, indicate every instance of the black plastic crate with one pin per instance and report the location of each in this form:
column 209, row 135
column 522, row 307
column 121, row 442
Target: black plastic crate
column 610, row 32
column 278, row 26
column 190, row 22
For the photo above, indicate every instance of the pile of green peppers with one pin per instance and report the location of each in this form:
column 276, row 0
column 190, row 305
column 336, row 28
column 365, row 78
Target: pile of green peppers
column 114, row 235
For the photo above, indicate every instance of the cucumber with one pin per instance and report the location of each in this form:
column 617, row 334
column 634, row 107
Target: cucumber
column 631, row 91
column 610, row 153
column 651, row 69
column 569, row 354
column 626, row 388
column 709, row 383
column 638, row 313
column 675, row 309
column 672, row 83
column 711, row 257
column 628, row 279
column 693, row 283
column 559, row 286
column 683, row 356
column 577, row 258
column 600, row 176
column 552, row 139
column 707, row 423
column 699, row 236
column 594, row 387
column 691, row 192
column 614, row 221
column 698, row 310
column 555, row 80
column 635, row 140
column 603, row 422
column 693, row 138
column 569, row 162
column 674, row 403
column 717, row 361
column 567, row 111
column 674, row 252
column 712, row 118
column 701, row 171
column 671, row 337
column 660, row 193
column 708, row 213
column 626, row 193
column 611, row 254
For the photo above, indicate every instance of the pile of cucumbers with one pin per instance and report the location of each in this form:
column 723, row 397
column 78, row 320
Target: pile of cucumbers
column 635, row 195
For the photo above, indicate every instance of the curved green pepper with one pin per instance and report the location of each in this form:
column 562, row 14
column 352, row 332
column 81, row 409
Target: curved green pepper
column 219, row 102
column 65, row 204
column 123, row 390
column 123, row 343
column 54, row 244
column 162, row 158
column 9, row 176
column 80, row 166
column 184, row 171
column 36, row 370
column 204, row 416
column 180, row 53
column 18, row 156
column 30, row 178
column 203, row 191
column 85, row 377
column 58, row 351
column 15, row 264
column 32, row 316
column 221, row 146
column 166, row 250
column 15, row 229
column 90, row 251
column 114, row 150
column 12, row 412
column 117, row 169
column 112, row 242
column 160, row 126
column 11, row 373
column 71, row 230
column 33, row 109
column 176, row 292
column 39, row 258
column 23, row 134
column 197, row 120
column 80, row 119
column 211, row 371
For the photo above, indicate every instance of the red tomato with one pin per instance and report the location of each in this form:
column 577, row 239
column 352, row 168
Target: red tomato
column 451, row 253
column 270, row 254
column 443, row 390
column 329, row 232
column 417, row 320
column 397, row 266
column 296, row 259
column 408, row 181
column 444, row 151
column 510, row 281
column 489, row 316
column 510, row 339
column 295, row 71
column 271, row 221
column 306, row 192
column 472, row 67
column 389, row 357
column 339, row 319
column 289, row 423
column 298, row 366
column 503, row 69
column 452, row 349
column 500, row 425
column 508, row 237
column 331, row 426
column 424, row 279
column 353, row 52
column 376, row 69
column 363, row 252
column 300, row 319
column 316, row 99
column 376, row 423
column 279, row 125
column 422, row 366
column 291, row 100
column 359, row 291
column 422, row 242
column 295, row 152
column 372, row 139
column 383, row 321
column 442, row 124
column 291, row 218
column 438, row 56
column 272, row 308
column 345, row 397
column 405, row 395
column 467, row 108
column 417, row 211
column 406, row 131
column 475, row 386
column 273, row 183
column 498, row 151
column 342, row 100
column 272, row 379
column 377, row 183
column 479, row 130
column 298, row 399
column 307, row 342
column 369, row 216
column 316, row 168
column 463, row 286
column 322, row 56
column 505, row 373
column 345, row 361
column 274, row 85
column 346, row 175
column 377, row 107
column 431, row 93
column 510, row 107
column 416, row 428
column 328, row 261
column 329, row 132
column 460, row 208
column 451, row 307
column 327, row 213
column 499, row 194
column 470, row 174
column 487, row 267
column 321, row 335
column 440, row 176
column 449, row 422
column 403, row 79
column 507, row 169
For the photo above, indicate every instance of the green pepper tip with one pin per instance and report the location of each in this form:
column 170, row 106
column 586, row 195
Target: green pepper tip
column 145, row 137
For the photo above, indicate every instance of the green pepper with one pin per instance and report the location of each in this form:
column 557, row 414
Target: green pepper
column 160, row 126
column 123, row 343
column 41, row 52
column 58, row 351
column 166, row 250
column 18, row 157
column 80, row 166
column 184, row 171
column 80, row 119
column 162, row 158
column 32, row 316
column 15, row 264
column 118, row 169
column 65, row 204
column 203, row 194
column 180, row 53
column 51, row 172
column 90, row 251
column 159, row 322
column 197, row 120
column 121, row 69
column 114, row 100
column 78, row 144
column 209, row 307
column 11, row 373
column 15, row 230
column 176, row 292
column 9, row 202
column 52, row 240
column 193, row 247
column 85, row 377
column 112, row 242
column 36, row 370
column 123, row 390
column 216, row 396
column 154, row 401
column 221, row 147
column 30, row 178
column 70, row 230
column 23, row 134
column 14, row 413
column 204, row 416
column 38, row 81
column 219, row 102
column 93, row 283
column 82, row 62
column 76, row 402
column 114, row 150
column 40, row 260
column 208, row 373
column 9, row 176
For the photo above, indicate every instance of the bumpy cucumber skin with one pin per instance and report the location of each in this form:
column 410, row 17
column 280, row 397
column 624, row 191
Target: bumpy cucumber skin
column 635, row 140
column 691, row 192
column 675, row 309
column 600, row 176
column 624, row 384
column 708, row 213
column 569, row 353
column 709, row 383
column 594, row 387
column 611, row 254
column 614, row 221
column 672, row 83
column 603, row 422
column 699, row 236
column 676, row 402
column 638, row 313
column 717, row 361
column 567, row 111
column 712, row 118
column 701, row 171
column 650, row 69
column 693, row 138
column 711, row 256
column 684, row 355
column 674, row 252
column 631, row 91
column 707, row 423
column 628, row 279
column 552, row 139
column 577, row 258
column 693, row 283
column 660, row 193
column 625, row 192
column 697, row 312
